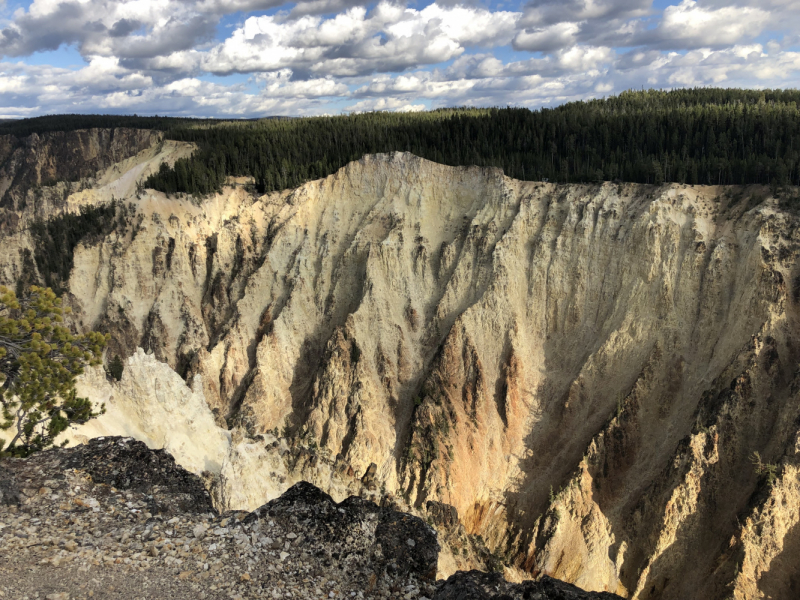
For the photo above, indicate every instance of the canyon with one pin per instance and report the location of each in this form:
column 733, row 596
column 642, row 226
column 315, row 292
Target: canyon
column 594, row 382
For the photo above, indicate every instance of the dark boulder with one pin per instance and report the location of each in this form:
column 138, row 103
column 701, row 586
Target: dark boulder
column 9, row 492
column 477, row 585
column 127, row 464
column 357, row 530
column 442, row 514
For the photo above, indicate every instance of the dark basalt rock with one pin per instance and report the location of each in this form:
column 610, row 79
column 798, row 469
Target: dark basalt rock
column 476, row 585
column 408, row 543
column 127, row 464
column 356, row 529
column 442, row 514
column 9, row 492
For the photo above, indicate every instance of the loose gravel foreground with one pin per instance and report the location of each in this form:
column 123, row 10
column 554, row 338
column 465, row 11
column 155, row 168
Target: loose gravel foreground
column 116, row 520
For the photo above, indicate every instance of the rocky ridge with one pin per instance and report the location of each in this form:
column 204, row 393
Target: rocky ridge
column 39, row 172
column 154, row 405
column 114, row 519
column 583, row 373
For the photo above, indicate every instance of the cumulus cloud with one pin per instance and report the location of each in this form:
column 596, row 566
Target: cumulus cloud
column 390, row 104
column 321, row 7
column 105, row 86
column 322, row 56
column 579, row 59
column 279, row 84
column 690, row 25
column 357, row 42
column 121, row 28
column 547, row 39
column 549, row 12
column 747, row 66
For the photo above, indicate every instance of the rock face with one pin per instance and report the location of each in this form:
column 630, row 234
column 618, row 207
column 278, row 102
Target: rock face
column 62, row 156
column 583, row 372
column 477, row 585
column 153, row 404
column 126, row 521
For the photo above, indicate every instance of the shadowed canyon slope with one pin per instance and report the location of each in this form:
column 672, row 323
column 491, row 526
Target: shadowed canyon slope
column 30, row 164
column 583, row 371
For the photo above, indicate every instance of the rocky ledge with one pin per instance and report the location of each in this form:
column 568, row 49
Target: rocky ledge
column 113, row 519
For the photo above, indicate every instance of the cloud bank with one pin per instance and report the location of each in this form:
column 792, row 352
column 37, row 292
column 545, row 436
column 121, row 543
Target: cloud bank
column 265, row 57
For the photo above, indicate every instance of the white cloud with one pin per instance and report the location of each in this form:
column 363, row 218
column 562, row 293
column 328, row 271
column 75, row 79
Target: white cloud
column 319, row 7
column 105, row 86
column 357, row 42
column 577, row 59
column 123, row 28
column 279, row 84
column 547, row 39
column 689, row 25
column 322, row 56
column 390, row 104
column 548, row 12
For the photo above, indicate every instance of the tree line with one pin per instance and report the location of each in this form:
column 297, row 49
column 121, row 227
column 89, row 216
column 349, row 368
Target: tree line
column 695, row 136
column 688, row 136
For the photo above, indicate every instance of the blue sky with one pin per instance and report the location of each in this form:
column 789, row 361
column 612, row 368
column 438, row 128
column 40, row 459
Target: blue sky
column 250, row 58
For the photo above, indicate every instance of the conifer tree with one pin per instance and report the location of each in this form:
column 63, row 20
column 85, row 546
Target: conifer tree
column 39, row 361
column 116, row 367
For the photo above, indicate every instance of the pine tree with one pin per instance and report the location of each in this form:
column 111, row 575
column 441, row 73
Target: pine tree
column 116, row 367
column 39, row 361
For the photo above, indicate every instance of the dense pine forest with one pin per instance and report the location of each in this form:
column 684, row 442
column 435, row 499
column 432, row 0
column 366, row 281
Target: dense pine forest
column 696, row 136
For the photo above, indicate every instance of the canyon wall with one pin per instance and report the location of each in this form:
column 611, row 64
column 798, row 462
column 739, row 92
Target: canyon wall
column 38, row 172
column 584, row 372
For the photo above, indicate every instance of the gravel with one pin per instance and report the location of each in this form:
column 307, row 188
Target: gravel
column 151, row 532
column 116, row 520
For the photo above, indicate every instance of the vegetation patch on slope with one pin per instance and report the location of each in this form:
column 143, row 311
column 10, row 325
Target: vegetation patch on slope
column 57, row 238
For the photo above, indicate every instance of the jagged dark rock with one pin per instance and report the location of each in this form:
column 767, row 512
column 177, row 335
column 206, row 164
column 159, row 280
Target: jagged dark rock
column 396, row 543
column 127, row 464
column 441, row 513
column 141, row 526
column 477, row 585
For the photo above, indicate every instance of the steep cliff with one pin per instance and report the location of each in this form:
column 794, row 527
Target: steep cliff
column 30, row 163
column 583, row 372
column 48, row 180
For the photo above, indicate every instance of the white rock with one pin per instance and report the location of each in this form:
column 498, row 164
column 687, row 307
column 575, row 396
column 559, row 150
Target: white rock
column 154, row 405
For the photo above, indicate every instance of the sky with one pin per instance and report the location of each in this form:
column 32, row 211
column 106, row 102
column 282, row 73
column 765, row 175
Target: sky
column 255, row 58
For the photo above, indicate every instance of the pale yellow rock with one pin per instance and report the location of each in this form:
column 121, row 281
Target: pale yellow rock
column 582, row 371
column 154, row 405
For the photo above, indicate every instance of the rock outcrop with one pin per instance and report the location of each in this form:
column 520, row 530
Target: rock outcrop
column 584, row 373
column 118, row 518
column 154, row 405
column 478, row 585
column 27, row 165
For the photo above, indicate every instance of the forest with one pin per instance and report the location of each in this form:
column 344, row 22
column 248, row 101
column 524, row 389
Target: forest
column 695, row 136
